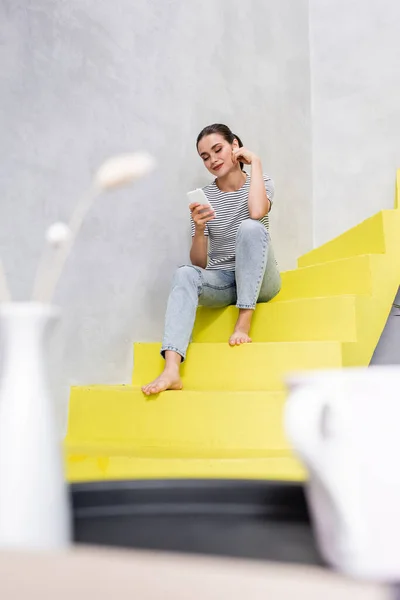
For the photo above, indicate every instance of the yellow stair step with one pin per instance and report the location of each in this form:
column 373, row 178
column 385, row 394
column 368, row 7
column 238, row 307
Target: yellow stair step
column 391, row 224
column 186, row 419
column 92, row 465
column 227, row 422
column 372, row 313
column 376, row 235
column 366, row 238
column 256, row 366
column 344, row 276
column 303, row 319
column 372, row 310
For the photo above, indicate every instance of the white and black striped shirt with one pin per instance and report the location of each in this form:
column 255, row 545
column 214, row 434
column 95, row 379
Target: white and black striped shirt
column 231, row 209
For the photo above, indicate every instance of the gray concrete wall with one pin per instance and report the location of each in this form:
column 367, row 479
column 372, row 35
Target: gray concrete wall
column 355, row 57
column 84, row 79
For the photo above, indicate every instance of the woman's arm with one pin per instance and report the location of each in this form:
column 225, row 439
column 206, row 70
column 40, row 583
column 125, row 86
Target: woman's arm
column 199, row 249
column 259, row 204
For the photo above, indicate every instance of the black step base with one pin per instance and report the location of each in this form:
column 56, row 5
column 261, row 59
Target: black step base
column 264, row 520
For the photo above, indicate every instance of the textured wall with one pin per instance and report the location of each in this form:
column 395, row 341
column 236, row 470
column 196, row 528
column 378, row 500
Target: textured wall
column 84, row 79
column 355, row 58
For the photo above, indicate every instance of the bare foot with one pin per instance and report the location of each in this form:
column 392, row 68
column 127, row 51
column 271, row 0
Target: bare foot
column 242, row 328
column 168, row 380
column 239, row 337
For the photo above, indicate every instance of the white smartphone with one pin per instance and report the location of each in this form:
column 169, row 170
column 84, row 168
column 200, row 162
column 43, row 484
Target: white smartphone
column 198, row 196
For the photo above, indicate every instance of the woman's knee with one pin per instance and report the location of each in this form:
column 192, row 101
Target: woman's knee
column 250, row 230
column 186, row 274
column 249, row 226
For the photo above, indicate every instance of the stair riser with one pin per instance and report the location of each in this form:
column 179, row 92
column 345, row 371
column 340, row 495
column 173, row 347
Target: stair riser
column 335, row 278
column 218, row 420
column 248, row 367
column 376, row 235
column 311, row 319
column 372, row 311
column 366, row 238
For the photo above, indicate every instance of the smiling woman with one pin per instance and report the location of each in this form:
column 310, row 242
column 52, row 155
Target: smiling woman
column 225, row 132
column 232, row 260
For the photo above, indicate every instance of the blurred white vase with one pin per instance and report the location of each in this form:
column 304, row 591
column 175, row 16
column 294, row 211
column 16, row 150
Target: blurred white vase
column 344, row 425
column 34, row 507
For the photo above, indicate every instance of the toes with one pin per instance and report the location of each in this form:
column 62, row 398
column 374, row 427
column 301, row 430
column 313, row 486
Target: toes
column 237, row 340
column 148, row 389
column 157, row 387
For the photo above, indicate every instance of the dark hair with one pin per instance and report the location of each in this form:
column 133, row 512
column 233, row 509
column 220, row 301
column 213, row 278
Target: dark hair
column 222, row 130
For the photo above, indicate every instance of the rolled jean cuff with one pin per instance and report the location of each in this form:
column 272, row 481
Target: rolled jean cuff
column 173, row 349
column 248, row 306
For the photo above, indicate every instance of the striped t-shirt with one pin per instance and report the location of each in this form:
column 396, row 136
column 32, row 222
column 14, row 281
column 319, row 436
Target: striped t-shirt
column 231, row 209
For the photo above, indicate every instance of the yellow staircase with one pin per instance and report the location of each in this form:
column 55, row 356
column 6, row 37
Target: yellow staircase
column 227, row 422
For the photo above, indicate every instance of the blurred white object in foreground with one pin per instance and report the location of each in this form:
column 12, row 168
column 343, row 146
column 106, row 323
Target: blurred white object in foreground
column 123, row 169
column 344, row 425
column 105, row 573
column 58, row 234
column 5, row 294
column 115, row 172
column 34, row 510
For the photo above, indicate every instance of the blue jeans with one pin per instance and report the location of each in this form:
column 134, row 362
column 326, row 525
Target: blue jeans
column 255, row 279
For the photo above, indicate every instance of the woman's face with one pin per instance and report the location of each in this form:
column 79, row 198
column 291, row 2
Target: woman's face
column 216, row 153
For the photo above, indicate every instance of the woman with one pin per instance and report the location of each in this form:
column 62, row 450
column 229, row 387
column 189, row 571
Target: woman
column 233, row 236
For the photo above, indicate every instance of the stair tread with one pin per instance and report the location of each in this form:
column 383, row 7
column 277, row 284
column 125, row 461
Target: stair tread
column 281, row 304
column 93, row 468
column 173, row 394
column 76, row 447
column 222, row 346
column 354, row 259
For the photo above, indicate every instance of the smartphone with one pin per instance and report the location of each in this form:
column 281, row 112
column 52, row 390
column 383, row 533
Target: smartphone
column 198, row 196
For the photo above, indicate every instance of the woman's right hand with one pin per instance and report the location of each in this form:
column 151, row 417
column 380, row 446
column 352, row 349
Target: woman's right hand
column 201, row 215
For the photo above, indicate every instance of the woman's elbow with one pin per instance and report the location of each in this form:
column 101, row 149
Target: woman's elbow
column 257, row 214
column 198, row 263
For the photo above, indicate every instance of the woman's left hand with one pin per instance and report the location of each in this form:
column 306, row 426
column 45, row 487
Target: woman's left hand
column 243, row 155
